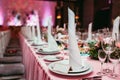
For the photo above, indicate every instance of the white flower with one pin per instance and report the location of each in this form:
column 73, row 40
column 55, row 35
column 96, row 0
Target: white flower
column 108, row 40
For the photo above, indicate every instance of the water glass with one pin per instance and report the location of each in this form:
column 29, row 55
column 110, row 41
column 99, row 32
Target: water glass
column 108, row 45
column 102, row 57
column 114, row 58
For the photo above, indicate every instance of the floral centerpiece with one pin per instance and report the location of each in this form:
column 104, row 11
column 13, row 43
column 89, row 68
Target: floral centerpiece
column 95, row 46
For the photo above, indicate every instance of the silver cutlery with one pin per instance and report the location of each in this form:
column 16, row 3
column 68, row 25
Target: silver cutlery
column 93, row 78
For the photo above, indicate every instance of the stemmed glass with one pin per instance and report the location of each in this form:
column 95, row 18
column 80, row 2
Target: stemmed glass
column 114, row 58
column 102, row 57
column 108, row 45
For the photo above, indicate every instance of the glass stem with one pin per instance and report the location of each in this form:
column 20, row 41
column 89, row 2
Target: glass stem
column 114, row 67
column 102, row 66
column 107, row 58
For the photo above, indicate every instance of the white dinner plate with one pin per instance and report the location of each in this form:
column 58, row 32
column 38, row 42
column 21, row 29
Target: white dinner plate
column 33, row 44
column 48, row 52
column 88, row 69
column 52, row 58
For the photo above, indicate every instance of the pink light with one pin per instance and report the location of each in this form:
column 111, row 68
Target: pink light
column 47, row 10
column 46, row 15
column 1, row 16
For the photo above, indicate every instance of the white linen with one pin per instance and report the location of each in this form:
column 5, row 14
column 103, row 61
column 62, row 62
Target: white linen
column 39, row 40
column 34, row 35
column 29, row 32
column 74, row 55
column 34, row 18
column 115, row 32
column 89, row 32
column 52, row 45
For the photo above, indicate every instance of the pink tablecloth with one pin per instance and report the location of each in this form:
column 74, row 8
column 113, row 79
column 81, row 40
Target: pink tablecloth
column 37, row 69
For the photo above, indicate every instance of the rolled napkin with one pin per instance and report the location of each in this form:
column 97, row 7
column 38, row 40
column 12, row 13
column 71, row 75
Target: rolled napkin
column 74, row 55
column 115, row 32
column 89, row 32
column 52, row 45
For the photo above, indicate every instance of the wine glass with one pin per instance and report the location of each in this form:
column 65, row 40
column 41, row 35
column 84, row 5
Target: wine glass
column 108, row 45
column 102, row 57
column 114, row 58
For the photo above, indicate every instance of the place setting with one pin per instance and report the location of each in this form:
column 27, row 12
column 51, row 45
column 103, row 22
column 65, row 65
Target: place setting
column 62, row 67
column 51, row 47
column 60, row 40
column 74, row 65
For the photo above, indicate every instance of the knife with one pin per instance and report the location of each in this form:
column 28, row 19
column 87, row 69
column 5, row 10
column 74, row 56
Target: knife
column 93, row 78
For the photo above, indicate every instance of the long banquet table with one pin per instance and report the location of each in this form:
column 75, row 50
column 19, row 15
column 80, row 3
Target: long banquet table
column 37, row 69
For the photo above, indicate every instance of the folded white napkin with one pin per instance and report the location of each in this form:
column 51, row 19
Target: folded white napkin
column 60, row 67
column 29, row 32
column 74, row 55
column 89, row 32
column 34, row 35
column 39, row 40
column 52, row 45
column 1, row 54
column 115, row 32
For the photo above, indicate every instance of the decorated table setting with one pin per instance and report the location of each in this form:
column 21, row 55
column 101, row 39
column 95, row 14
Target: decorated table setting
column 67, row 64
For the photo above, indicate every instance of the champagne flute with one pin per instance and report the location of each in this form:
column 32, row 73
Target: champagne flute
column 114, row 58
column 102, row 57
column 108, row 45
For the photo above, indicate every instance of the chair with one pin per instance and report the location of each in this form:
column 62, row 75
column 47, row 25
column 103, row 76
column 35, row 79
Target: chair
column 12, row 78
column 12, row 71
column 11, row 60
column 11, row 67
